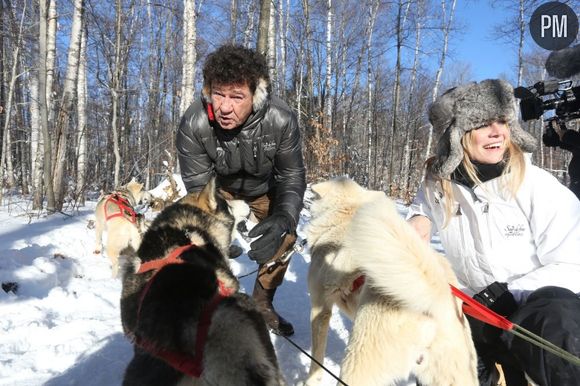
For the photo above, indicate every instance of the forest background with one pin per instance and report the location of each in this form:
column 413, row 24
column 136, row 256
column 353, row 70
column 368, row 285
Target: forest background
column 92, row 91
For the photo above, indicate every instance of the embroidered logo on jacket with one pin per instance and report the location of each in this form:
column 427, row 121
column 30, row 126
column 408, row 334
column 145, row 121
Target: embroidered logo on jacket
column 267, row 146
column 514, row 230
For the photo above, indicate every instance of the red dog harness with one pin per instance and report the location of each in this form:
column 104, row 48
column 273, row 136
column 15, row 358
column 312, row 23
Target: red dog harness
column 183, row 362
column 357, row 283
column 125, row 208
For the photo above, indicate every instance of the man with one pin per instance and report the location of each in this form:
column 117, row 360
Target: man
column 557, row 135
column 251, row 142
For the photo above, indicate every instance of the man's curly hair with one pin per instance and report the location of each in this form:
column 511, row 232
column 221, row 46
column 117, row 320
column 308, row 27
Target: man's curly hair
column 234, row 64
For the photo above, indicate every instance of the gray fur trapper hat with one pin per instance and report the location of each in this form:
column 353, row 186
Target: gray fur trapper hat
column 467, row 107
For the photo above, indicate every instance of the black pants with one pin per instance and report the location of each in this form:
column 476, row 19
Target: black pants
column 550, row 312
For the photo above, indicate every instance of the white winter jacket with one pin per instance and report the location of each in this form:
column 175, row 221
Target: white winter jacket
column 529, row 242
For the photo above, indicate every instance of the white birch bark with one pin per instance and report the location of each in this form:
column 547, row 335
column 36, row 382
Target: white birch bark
column 521, row 36
column 405, row 165
column 115, row 88
column 50, row 58
column 69, row 93
column 6, row 166
column 36, row 142
column 233, row 20
column 189, row 54
column 264, row 26
column 272, row 50
column 43, row 110
column 249, row 30
column 328, row 78
column 446, row 26
column 82, row 121
column 373, row 8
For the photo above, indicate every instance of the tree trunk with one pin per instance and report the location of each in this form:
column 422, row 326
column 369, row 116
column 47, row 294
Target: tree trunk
column 373, row 8
column 43, row 109
column 393, row 179
column 82, row 121
column 446, row 26
column 189, row 55
column 328, row 78
column 115, row 88
column 271, row 52
column 233, row 20
column 249, row 30
column 50, row 59
column 65, row 111
column 36, row 143
column 264, row 27
column 405, row 164
column 521, row 36
column 6, row 167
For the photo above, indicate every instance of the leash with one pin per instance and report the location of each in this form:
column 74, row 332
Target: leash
column 480, row 312
column 185, row 363
column 298, row 247
column 314, row 360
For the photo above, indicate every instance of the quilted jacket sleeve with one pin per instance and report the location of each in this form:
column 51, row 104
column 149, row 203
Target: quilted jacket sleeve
column 289, row 172
column 196, row 167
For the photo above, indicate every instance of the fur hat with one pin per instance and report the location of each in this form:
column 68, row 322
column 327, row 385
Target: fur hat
column 467, row 107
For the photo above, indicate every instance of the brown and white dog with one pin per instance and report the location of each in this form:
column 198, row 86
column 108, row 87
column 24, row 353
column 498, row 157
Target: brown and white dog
column 117, row 213
column 370, row 263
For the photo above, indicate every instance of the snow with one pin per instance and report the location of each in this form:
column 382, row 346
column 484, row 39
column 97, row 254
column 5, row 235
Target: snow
column 62, row 325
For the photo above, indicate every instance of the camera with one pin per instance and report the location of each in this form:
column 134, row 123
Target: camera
column 560, row 96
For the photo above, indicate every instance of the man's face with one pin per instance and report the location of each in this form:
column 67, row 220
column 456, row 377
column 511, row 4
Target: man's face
column 232, row 104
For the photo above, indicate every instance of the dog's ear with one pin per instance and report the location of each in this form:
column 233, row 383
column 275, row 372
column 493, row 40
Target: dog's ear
column 207, row 200
column 321, row 189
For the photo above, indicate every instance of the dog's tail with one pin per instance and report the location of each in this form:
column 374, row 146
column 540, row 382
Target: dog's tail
column 396, row 261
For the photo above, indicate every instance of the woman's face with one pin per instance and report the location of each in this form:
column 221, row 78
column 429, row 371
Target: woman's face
column 489, row 143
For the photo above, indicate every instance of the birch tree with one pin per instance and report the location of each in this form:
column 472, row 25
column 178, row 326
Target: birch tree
column 189, row 55
column 43, row 111
column 373, row 8
column 65, row 111
column 328, row 78
column 264, row 27
column 446, row 25
column 82, row 121
column 6, row 168
column 50, row 58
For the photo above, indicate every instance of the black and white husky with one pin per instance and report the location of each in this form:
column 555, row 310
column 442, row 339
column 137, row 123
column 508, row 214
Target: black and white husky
column 181, row 306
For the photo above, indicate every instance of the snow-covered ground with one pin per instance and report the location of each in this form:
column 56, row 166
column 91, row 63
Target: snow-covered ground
column 62, row 325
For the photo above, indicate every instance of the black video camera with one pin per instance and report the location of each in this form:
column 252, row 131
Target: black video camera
column 560, row 96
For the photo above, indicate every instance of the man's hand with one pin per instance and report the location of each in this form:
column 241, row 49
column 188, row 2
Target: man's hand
column 273, row 229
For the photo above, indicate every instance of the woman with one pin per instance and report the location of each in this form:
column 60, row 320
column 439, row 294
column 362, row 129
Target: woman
column 510, row 230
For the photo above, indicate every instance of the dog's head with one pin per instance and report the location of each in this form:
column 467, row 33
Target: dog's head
column 140, row 199
column 215, row 206
column 339, row 194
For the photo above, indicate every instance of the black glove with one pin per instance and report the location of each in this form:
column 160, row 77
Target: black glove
column 550, row 138
column 273, row 229
column 498, row 298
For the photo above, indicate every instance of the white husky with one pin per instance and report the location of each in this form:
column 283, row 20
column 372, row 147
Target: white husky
column 370, row 263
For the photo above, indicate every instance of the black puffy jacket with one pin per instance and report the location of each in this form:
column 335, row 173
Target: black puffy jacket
column 264, row 154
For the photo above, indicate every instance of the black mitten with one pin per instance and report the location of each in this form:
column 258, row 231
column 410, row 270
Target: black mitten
column 498, row 298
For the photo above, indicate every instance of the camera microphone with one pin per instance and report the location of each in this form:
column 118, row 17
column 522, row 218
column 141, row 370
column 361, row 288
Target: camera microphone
column 564, row 63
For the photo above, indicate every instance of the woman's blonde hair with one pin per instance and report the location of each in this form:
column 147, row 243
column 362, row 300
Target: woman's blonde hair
column 512, row 174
